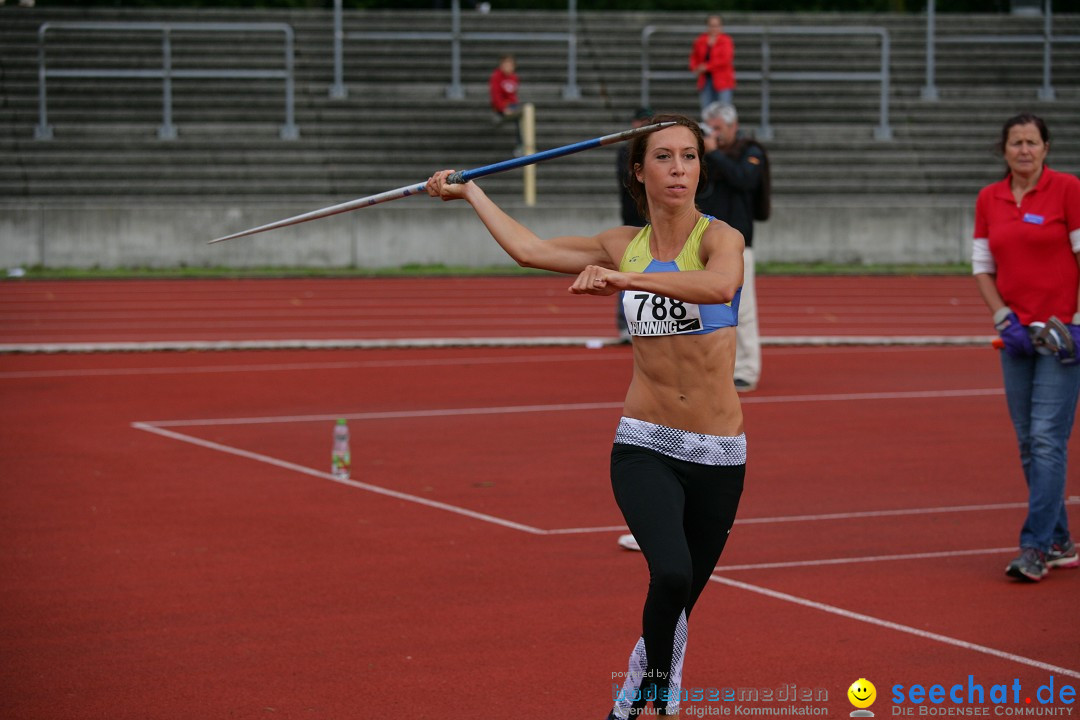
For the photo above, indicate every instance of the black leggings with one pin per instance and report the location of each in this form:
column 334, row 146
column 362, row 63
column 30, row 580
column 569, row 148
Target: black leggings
column 680, row 514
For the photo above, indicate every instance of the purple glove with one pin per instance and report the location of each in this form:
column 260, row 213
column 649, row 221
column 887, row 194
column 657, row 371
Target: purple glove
column 1063, row 354
column 1013, row 334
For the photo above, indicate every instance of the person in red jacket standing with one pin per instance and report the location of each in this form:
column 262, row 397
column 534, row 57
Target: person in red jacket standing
column 713, row 59
column 503, row 88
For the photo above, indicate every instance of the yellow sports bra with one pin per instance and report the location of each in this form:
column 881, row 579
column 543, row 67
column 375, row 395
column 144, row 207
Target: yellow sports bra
column 650, row 314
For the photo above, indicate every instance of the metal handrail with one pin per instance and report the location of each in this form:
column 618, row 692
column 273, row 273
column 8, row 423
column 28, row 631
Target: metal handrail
column 455, row 37
column 167, row 130
column 766, row 75
column 1047, row 39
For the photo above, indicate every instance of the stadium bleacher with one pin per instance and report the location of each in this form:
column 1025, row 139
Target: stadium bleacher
column 396, row 125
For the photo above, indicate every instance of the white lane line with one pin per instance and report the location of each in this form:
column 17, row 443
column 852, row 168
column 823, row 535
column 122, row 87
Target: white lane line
column 537, row 531
column 609, row 356
column 299, row 344
column 867, row 559
column 327, row 476
column 582, row 530
column 447, row 412
column 292, row 367
column 885, row 513
column 381, row 343
column 387, row 415
column 840, row 397
column 869, row 619
column 1072, row 500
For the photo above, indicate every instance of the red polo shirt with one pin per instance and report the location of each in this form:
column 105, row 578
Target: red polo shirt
column 1037, row 272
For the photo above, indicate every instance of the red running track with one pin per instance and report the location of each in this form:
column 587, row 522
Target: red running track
column 491, row 307
column 173, row 547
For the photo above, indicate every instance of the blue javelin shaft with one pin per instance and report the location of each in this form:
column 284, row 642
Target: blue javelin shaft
column 458, row 177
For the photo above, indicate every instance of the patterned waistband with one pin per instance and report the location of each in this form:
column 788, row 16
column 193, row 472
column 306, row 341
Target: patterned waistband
column 682, row 444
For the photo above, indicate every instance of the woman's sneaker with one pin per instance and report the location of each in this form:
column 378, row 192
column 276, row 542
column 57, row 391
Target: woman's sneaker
column 1063, row 555
column 1030, row 566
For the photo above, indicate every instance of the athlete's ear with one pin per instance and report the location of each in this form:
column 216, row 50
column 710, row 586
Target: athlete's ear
column 637, row 173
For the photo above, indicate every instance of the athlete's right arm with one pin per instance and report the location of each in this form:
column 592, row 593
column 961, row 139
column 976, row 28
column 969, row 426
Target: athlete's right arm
column 568, row 254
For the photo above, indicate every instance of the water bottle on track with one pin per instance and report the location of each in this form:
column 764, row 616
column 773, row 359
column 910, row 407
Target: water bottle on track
column 340, row 458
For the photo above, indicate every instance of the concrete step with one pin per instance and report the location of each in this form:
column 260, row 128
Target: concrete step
column 396, row 125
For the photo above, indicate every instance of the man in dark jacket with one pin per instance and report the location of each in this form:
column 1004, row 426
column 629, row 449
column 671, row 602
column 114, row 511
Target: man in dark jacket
column 737, row 173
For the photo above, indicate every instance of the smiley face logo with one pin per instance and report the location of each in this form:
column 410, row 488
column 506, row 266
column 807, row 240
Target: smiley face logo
column 862, row 693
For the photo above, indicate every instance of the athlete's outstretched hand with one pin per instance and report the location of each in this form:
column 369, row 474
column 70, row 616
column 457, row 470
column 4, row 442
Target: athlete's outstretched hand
column 438, row 187
column 596, row 280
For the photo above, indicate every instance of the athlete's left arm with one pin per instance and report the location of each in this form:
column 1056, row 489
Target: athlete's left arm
column 721, row 252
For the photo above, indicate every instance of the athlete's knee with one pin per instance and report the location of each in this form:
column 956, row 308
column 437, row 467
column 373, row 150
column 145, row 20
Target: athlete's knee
column 673, row 584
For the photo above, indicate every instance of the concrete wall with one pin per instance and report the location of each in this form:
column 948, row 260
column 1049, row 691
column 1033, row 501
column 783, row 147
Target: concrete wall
column 424, row 231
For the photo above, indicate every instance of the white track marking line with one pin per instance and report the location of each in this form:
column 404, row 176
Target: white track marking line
column 455, row 342
column 291, row 367
column 944, row 639
column 837, row 397
column 1072, row 500
column 160, row 430
column 432, row 362
column 319, row 344
column 387, row 415
column 582, row 530
column 840, row 397
column 884, row 513
column 870, row 558
column 327, row 476
column 148, row 427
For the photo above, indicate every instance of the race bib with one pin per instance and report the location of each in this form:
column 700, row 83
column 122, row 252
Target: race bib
column 649, row 314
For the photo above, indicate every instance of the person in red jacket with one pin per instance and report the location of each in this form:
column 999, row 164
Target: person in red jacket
column 503, row 89
column 713, row 59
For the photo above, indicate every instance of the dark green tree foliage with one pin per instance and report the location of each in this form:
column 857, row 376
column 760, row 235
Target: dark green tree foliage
column 904, row 6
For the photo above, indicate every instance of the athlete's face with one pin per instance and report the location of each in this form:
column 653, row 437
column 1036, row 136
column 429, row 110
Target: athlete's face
column 671, row 166
column 1025, row 150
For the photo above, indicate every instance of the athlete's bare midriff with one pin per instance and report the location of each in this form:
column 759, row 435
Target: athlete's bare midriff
column 686, row 382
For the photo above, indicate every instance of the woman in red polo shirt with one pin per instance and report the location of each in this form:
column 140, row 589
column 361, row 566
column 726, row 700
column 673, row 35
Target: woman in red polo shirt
column 1026, row 261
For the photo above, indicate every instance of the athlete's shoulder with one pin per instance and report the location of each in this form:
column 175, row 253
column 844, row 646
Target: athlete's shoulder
column 719, row 231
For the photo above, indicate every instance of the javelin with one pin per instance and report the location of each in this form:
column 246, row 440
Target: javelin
column 462, row 176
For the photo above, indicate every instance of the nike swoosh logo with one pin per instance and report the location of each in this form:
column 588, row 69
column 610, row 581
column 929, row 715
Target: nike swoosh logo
column 691, row 324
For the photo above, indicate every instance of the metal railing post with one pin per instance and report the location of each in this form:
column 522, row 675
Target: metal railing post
column 289, row 131
column 929, row 90
column 765, row 132
column 455, row 91
column 571, row 91
column 338, row 91
column 167, row 131
column 42, row 131
column 646, row 33
column 884, row 131
column 1046, row 92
